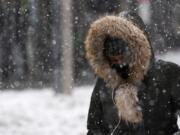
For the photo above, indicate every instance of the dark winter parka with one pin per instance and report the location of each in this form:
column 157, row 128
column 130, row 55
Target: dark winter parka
column 145, row 103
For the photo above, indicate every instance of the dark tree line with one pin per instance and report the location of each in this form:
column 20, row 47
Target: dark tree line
column 25, row 43
column 164, row 23
column 30, row 37
column 12, row 43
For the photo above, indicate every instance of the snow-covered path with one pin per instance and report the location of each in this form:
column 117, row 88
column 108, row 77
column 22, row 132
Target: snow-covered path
column 41, row 112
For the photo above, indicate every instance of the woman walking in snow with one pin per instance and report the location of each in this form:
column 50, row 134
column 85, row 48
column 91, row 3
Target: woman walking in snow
column 134, row 94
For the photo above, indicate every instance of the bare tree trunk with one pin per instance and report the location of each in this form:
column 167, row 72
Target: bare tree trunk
column 67, row 46
column 1, row 42
column 56, row 45
column 7, row 43
column 31, row 39
column 19, row 77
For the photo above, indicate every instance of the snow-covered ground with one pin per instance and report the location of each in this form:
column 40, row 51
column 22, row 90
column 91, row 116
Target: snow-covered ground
column 34, row 112
column 41, row 112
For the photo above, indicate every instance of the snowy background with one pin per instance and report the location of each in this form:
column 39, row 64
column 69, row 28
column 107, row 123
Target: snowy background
column 42, row 48
column 42, row 112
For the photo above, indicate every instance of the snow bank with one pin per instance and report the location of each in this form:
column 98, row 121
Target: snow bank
column 171, row 56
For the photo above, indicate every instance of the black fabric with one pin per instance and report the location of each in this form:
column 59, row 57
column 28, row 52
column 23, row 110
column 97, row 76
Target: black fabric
column 159, row 95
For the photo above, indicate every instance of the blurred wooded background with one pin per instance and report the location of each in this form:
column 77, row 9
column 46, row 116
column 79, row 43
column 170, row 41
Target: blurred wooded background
column 42, row 41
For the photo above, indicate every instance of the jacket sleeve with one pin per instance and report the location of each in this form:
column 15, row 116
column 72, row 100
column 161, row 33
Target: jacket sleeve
column 175, row 91
column 175, row 88
column 95, row 124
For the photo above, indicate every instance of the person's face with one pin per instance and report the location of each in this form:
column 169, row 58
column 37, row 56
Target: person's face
column 117, row 59
column 117, row 52
column 118, row 63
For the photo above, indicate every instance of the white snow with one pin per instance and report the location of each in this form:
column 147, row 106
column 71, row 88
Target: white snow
column 171, row 56
column 42, row 112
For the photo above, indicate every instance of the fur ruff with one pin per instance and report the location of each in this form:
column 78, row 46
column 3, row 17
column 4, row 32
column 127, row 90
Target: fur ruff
column 126, row 98
column 119, row 27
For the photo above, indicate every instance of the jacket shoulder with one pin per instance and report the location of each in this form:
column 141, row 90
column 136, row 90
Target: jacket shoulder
column 167, row 67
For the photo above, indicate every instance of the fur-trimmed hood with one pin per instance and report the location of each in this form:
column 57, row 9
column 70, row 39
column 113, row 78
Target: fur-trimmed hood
column 118, row 27
column 126, row 30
